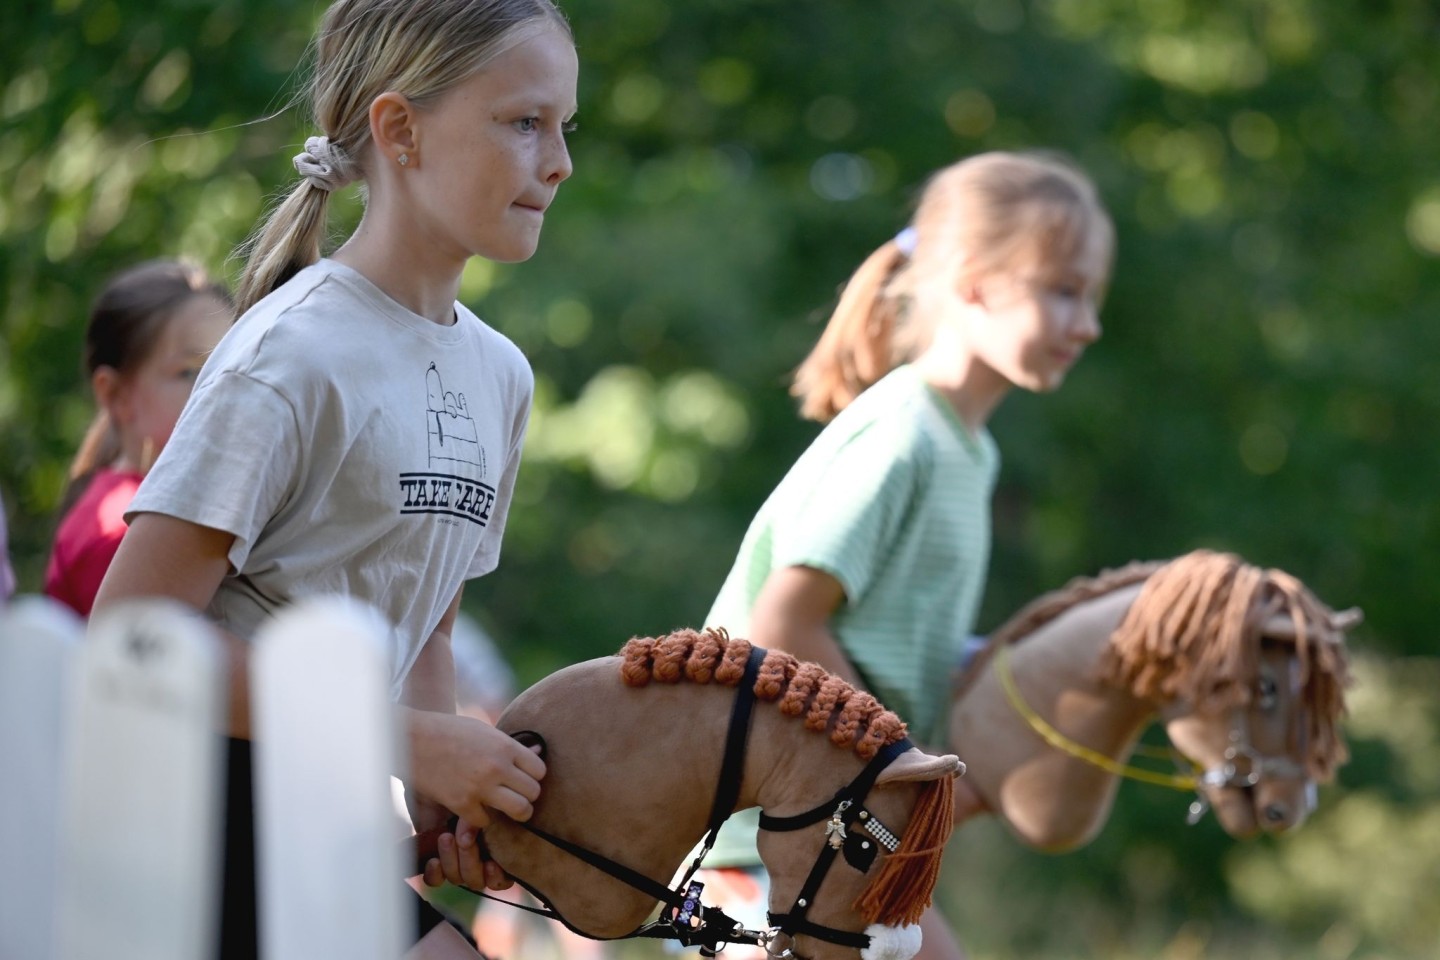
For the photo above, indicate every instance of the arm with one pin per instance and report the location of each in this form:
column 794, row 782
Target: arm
column 163, row 556
column 792, row 613
column 460, row 764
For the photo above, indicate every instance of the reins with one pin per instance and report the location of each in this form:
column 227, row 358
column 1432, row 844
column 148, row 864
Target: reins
column 687, row 920
column 1227, row 773
column 1059, row 741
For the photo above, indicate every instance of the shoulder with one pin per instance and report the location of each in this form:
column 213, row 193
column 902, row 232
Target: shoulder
column 499, row 352
column 894, row 416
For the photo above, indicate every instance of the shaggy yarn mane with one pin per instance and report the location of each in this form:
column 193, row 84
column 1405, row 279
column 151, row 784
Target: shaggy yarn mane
column 901, row 889
column 1195, row 633
column 854, row 718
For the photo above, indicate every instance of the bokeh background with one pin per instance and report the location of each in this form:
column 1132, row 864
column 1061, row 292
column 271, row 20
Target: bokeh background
column 1269, row 380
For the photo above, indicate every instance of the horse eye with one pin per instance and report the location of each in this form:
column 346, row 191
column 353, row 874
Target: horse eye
column 1269, row 692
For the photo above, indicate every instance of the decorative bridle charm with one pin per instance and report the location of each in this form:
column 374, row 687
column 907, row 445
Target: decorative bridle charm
column 835, row 829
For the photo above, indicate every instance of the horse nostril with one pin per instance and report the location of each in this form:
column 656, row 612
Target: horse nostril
column 1274, row 813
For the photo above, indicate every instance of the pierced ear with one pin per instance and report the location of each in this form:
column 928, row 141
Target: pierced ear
column 392, row 127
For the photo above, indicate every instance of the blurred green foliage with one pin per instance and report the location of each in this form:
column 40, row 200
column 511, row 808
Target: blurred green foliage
column 1269, row 381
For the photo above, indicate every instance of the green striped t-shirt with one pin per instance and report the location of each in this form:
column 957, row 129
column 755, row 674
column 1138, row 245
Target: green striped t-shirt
column 893, row 500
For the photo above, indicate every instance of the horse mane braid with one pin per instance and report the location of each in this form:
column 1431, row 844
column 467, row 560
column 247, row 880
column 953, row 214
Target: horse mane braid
column 854, row 718
column 1194, row 633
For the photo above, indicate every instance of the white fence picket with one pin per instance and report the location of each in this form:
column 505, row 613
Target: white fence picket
column 39, row 640
column 328, row 861
column 139, row 865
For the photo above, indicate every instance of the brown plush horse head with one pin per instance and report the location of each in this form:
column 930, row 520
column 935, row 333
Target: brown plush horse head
column 634, row 747
column 1244, row 666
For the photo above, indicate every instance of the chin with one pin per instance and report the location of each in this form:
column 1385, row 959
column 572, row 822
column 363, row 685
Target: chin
column 511, row 253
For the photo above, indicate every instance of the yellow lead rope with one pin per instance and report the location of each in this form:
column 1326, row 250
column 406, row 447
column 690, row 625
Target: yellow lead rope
column 1059, row 741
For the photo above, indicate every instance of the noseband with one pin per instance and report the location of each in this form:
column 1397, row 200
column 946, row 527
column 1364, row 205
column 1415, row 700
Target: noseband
column 693, row 924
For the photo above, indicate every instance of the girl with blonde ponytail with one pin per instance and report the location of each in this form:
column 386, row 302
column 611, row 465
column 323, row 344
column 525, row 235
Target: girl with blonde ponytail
column 358, row 431
column 869, row 557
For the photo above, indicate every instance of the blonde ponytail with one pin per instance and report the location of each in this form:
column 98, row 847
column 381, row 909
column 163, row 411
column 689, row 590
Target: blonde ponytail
column 287, row 242
column 417, row 48
column 857, row 347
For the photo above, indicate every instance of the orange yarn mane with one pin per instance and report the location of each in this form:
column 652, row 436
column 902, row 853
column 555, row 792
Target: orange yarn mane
column 854, row 718
column 902, row 886
column 1195, row 633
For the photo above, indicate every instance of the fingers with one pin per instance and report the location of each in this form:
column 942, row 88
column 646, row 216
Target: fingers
column 530, row 763
column 461, row 862
column 434, row 873
column 496, row 878
column 514, row 805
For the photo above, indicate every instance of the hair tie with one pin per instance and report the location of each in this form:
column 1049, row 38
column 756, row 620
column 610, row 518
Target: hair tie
column 325, row 165
column 906, row 241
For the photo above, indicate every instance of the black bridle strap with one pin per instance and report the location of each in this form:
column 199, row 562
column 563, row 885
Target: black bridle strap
column 619, row 871
column 854, row 790
column 727, row 792
column 732, row 767
column 846, row 806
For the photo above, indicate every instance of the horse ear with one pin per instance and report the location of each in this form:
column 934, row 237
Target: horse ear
column 1346, row 620
column 915, row 764
column 1281, row 626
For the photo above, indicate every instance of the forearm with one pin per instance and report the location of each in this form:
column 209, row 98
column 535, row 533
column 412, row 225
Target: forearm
column 794, row 613
column 806, row 641
column 430, row 684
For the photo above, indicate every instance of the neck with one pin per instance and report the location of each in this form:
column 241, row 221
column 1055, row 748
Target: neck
column 972, row 388
column 1051, row 799
column 405, row 267
column 136, row 456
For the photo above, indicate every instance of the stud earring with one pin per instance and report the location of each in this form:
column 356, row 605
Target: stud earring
column 403, row 159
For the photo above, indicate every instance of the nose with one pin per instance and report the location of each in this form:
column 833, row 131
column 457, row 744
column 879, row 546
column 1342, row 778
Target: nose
column 1086, row 327
column 557, row 161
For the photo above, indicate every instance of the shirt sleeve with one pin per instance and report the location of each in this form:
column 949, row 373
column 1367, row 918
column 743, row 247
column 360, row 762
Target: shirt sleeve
column 854, row 511
column 232, row 463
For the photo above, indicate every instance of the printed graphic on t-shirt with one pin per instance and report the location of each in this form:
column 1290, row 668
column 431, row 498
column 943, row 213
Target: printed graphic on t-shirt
column 451, row 428
column 454, row 485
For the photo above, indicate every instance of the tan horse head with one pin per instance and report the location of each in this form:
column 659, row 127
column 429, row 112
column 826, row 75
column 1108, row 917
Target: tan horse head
column 633, row 769
column 1244, row 666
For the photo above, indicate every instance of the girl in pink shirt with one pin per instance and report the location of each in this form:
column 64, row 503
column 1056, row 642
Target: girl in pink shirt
column 150, row 330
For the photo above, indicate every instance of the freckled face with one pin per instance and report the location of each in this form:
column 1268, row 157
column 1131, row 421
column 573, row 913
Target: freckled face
column 491, row 151
column 1035, row 323
column 152, row 397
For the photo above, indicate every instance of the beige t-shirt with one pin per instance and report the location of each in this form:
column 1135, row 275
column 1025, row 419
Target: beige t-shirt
column 352, row 447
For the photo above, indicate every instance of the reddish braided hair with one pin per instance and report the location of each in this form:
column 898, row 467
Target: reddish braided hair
column 854, row 718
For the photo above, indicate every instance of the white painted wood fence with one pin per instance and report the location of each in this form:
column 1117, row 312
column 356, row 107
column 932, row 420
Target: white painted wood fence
column 111, row 792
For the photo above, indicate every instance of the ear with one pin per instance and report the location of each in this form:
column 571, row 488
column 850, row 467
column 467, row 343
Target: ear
column 392, row 127
column 110, row 393
column 914, row 765
column 1282, row 627
column 969, row 290
column 1346, row 620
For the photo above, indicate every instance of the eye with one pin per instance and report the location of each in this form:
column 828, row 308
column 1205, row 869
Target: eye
column 189, row 374
column 1269, row 693
column 569, row 126
column 528, row 124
